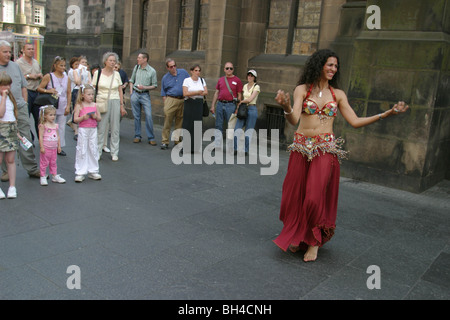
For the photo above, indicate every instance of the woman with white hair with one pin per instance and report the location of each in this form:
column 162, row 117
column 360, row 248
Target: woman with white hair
column 109, row 98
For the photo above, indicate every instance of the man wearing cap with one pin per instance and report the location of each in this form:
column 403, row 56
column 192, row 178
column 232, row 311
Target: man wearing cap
column 226, row 97
column 172, row 94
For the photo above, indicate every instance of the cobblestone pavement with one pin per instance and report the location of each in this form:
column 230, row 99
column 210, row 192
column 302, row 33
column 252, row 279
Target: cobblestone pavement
column 151, row 229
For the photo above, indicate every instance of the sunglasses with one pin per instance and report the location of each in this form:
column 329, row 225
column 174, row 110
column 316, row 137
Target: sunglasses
column 229, row 68
column 174, row 66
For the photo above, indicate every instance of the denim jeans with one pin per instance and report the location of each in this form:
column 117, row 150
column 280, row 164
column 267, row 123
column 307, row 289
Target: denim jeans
column 223, row 114
column 33, row 109
column 142, row 101
column 249, row 123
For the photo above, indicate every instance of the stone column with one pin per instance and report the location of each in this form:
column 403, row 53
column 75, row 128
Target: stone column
column 223, row 36
column 21, row 17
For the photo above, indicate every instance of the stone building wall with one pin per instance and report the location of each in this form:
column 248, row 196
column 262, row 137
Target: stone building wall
column 406, row 58
column 83, row 27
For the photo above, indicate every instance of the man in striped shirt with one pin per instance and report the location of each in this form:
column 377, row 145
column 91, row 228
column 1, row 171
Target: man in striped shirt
column 142, row 81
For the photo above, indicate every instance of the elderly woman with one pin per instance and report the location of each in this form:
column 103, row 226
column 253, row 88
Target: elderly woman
column 109, row 98
column 57, row 82
column 310, row 189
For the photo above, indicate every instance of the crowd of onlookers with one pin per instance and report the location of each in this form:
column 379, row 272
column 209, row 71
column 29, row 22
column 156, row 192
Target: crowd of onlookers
column 90, row 100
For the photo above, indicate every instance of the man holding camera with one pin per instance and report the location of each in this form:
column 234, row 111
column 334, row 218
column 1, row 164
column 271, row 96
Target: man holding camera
column 226, row 98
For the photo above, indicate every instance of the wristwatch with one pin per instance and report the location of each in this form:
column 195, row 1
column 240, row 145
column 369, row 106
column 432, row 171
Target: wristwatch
column 27, row 76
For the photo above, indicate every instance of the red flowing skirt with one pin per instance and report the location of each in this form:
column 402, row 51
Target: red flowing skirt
column 309, row 200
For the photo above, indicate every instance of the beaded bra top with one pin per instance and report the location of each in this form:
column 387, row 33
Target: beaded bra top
column 311, row 107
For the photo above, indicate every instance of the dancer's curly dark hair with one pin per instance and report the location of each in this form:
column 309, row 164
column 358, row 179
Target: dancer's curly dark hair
column 314, row 66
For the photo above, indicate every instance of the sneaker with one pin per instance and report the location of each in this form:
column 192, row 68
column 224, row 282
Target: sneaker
column 94, row 176
column 164, row 146
column 115, row 158
column 152, row 143
column 12, row 193
column 2, row 195
column 136, row 140
column 79, row 178
column 106, row 149
column 57, row 178
column 44, row 181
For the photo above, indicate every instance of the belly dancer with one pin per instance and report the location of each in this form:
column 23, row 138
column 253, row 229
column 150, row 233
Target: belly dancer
column 311, row 186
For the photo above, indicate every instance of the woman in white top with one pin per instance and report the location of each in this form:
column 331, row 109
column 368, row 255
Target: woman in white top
column 75, row 80
column 85, row 74
column 251, row 91
column 194, row 91
column 109, row 85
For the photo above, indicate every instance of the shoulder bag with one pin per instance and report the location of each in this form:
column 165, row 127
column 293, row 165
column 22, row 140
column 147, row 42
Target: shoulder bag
column 102, row 105
column 242, row 112
column 205, row 103
column 229, row 89
column 47, row 99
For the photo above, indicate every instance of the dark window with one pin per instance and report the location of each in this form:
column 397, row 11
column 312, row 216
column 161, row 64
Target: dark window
column 193, row 24
column 293, row 27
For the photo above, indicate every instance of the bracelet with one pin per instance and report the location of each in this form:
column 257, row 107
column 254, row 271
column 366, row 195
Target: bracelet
column 379, row 115
column 288, row 113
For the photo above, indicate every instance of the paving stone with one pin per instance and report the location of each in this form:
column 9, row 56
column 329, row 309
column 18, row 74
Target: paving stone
column 151, row 229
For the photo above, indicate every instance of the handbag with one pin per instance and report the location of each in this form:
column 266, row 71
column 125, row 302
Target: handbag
column 231, row 125
column 47, row 99
column 102, row 105
column 205, row 104
column 242, row 112
column 205, row 108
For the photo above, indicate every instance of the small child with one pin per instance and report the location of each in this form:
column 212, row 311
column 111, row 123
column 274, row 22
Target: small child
column 87, row 116
column 49, row 143
column 9, row 135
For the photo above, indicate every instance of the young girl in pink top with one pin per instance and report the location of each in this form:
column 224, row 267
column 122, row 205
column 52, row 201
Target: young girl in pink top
column 87, row 116
column 49, row 143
